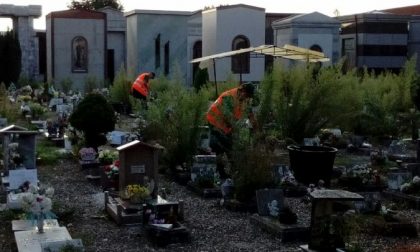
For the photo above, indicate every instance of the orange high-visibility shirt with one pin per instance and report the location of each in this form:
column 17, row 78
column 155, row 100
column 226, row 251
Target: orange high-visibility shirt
column 216, row 115
column 141, row 85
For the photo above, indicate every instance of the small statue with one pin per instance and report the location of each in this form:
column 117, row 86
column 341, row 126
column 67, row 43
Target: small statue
column 273, row 208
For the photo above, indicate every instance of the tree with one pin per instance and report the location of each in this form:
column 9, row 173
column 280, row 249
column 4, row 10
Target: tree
column 10, row 60
column 94, row 4
column 95, row 117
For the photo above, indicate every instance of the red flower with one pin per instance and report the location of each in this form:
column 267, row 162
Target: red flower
column 107, row 168
column 117, row 163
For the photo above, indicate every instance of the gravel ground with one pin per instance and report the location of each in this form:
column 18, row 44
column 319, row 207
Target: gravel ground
column 212, row 227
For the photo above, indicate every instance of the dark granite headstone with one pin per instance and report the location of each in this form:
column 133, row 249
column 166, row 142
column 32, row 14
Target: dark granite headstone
column 396, row 179
column 370, row 204
column 269, row 201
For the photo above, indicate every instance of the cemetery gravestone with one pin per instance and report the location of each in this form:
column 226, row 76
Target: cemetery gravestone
column 269, row 202
column 397, row 178
column 204, row 166
column 138, row 160
column 322, row 238
column 370, row 204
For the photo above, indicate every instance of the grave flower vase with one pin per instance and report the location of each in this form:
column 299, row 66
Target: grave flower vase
column 312, row 163
column 40, row 223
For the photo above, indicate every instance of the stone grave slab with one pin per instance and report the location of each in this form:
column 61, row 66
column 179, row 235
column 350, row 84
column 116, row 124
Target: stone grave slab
column 26, row 225
column 397, row 178
column 286, row 232
column 411, row 200
column 17, row 177
column 30, row 241
column 58, row 246
column 269, row 202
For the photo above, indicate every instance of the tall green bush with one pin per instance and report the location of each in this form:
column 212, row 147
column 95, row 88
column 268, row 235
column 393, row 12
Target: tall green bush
column 10, row 60
column 300, row 102
column 174, row 118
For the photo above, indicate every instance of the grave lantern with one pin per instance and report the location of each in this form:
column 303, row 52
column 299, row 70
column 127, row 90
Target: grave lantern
column 138, row 160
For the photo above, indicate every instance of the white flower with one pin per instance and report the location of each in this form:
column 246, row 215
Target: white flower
column 405, row 187
column 416, row 180
column 49, row 192
column 45, row 205
column 32, row 189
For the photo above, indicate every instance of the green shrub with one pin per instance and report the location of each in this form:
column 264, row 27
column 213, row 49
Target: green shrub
column 91, row 83
column 66, row 85
column 7, row 109
column 94, row 116
column 120, row 90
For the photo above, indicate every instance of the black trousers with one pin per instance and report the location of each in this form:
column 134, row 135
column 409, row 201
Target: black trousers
column 220, row 143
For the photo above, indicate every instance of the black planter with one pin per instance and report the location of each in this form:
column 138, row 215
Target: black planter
column 312, row 163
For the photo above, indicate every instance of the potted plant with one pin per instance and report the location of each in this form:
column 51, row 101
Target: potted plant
column 312, row 163
column 107, row 157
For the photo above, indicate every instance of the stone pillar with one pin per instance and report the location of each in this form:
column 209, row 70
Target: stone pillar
column 23, row 25
column 22, row 17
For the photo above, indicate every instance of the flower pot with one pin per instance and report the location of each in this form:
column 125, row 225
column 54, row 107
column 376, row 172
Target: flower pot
column 312, row 163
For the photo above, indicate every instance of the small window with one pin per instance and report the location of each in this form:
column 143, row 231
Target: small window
column 79, row 50
column 157, row 52
column 240, row 62
column 166, row 70
column 197, row 53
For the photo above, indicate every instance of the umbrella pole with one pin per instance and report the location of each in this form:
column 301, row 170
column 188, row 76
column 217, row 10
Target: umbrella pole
column 214, row 74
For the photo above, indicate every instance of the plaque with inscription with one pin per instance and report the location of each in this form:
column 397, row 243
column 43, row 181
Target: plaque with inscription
column 136, row 169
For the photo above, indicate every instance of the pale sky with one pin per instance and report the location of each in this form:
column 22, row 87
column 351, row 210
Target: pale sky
column 326, row 7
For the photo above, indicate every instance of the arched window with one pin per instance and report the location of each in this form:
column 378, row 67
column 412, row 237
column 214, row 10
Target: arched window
column 240, row 62
column 79, row 52
column 316, row 48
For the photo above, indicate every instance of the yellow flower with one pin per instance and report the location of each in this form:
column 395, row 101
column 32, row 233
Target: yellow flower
column 137, row 191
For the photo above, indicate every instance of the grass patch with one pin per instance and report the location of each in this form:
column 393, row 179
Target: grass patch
column 47, row 153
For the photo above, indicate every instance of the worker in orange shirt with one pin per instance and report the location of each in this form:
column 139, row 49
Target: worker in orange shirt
column 230, row 107
column 140, row 88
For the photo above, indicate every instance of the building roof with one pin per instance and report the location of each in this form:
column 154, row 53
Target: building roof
column 307, row 18
column 407, row 10
column 78, row 14
column 137, row 142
